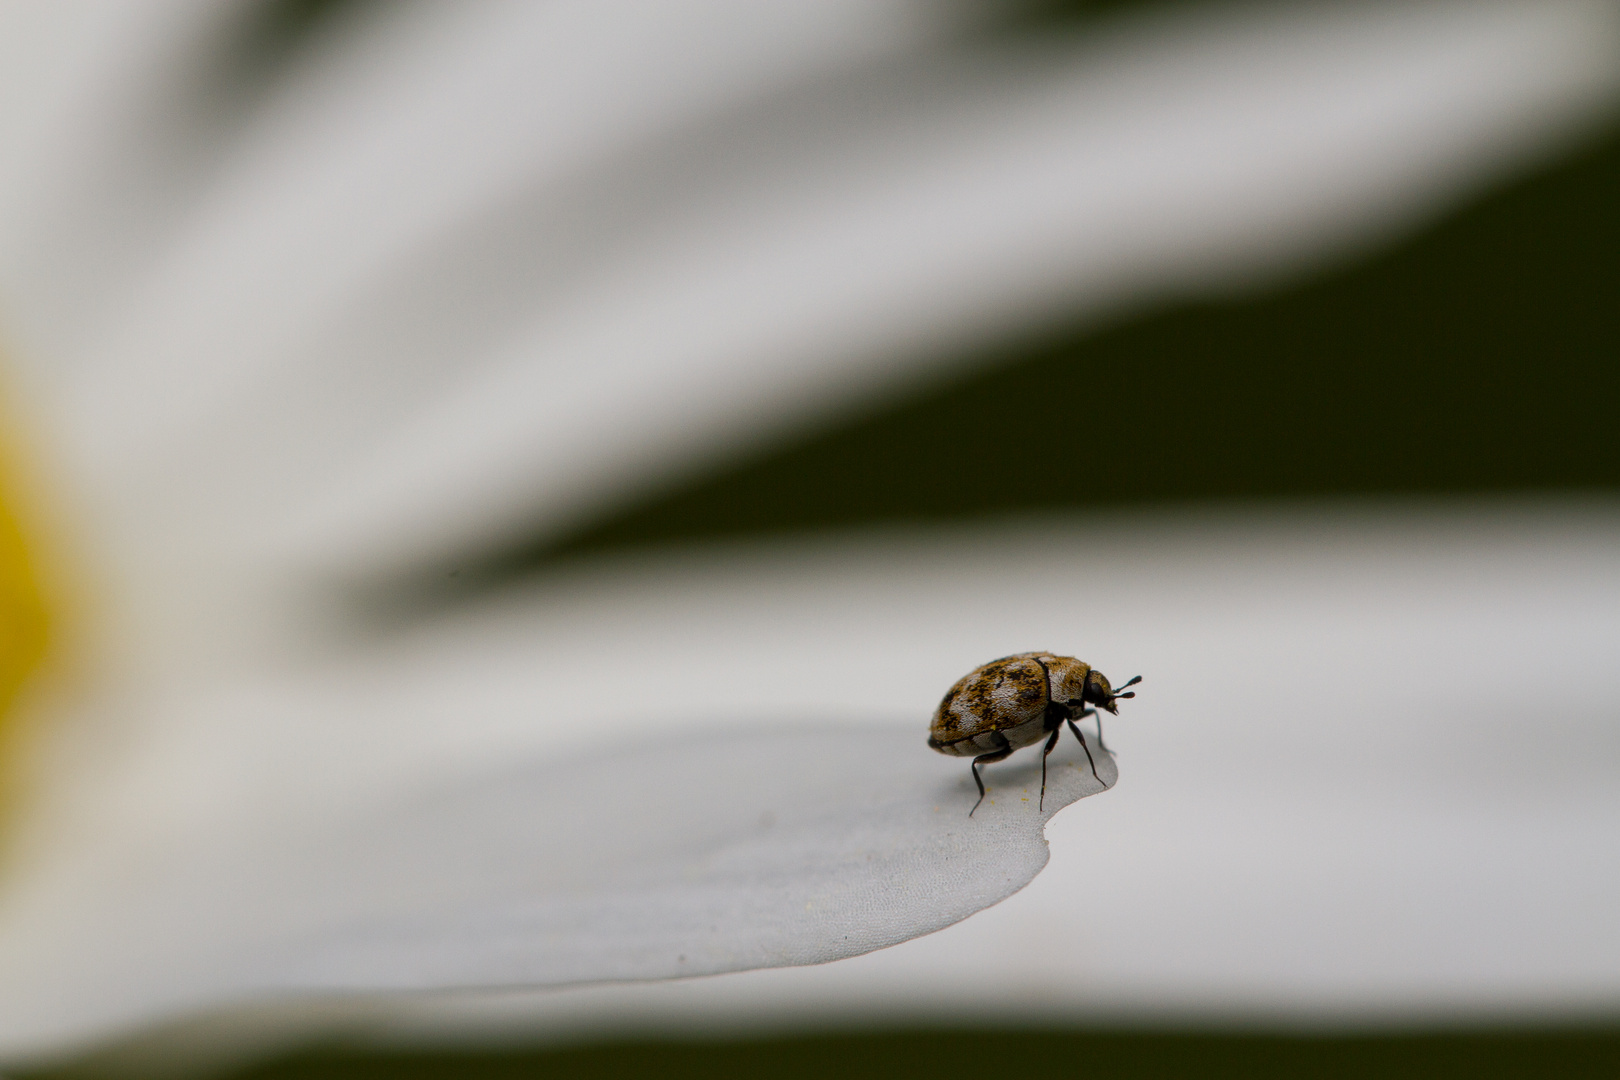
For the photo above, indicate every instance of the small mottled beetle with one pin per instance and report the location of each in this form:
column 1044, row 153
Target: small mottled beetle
column 1017, row 701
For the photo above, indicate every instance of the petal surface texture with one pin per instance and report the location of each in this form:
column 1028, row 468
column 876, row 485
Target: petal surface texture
column 638, row 858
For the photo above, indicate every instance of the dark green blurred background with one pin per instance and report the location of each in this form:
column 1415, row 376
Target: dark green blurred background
column 961, row 1054
column 1476, row 357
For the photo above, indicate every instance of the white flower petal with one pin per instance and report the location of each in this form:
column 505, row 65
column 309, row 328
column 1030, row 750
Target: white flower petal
column 752, row 298
column 197, row 375
column 390, row 356
column 255, row 214
column 1326, row 807
column 845, row 244
column 1336, row 808
column 104, row 138
column 655, row 859
column 1373, row 776
column 392, row 376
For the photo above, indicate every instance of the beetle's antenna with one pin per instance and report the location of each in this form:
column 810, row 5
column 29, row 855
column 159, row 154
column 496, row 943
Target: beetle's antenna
column 1116, row 695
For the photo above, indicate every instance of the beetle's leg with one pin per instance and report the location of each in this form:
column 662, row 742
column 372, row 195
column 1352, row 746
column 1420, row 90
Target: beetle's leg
column 985, row 759
column 1076, row 729
column 1044, row 754
column 1085, row 712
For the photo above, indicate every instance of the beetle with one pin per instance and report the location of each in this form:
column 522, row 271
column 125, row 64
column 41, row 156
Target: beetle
column 1017, row 701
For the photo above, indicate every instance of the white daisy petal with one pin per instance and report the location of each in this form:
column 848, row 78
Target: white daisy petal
column 1371, row 776
column 1322, row 786
column 392, row 134
column 846, row 242
column 560, row 308
column 104, row 137
column 638, row 858
column 384, row 130
column 476, row 269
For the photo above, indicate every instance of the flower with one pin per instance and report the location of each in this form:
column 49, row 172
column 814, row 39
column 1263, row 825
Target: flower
column 449, row 277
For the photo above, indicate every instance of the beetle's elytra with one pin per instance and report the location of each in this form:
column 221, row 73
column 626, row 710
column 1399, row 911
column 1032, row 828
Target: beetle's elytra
column 1017, row 701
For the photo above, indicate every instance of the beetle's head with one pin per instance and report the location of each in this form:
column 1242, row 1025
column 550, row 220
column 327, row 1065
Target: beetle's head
column 1100, row 694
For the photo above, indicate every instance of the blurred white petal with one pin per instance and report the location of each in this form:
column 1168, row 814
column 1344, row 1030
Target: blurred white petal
column 102, row 140
column 274, row 211
column 1340, row 796
column 520, row 336
column 1370, row 777
column 383, row 148
column 688, row 302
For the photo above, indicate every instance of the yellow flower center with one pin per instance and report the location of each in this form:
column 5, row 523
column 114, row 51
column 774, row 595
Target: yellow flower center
column 23, row 619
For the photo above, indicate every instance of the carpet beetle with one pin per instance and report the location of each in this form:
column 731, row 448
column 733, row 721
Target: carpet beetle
column 1017, row 701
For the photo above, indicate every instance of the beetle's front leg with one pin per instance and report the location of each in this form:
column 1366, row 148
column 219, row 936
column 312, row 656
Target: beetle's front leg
column 1085, row 711
column 1076, row 729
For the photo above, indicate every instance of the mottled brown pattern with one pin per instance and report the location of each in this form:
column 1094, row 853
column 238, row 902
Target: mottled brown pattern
column 1019, row 701
column 1003, row 695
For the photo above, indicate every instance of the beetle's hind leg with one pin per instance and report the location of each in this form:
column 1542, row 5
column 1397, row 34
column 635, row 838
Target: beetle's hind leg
column 1076, row 729
column 985, row 759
